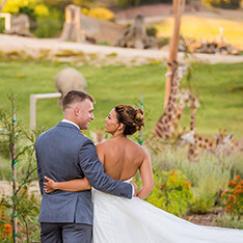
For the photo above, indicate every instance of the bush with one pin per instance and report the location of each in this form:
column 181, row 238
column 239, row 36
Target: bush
column 151, row 31
column 229, row 221
column 2, row 28
column 49, row 26
column 128, row 3
column 204, row 198
column 208, row 176
column 172, row 192
column 233, row 197
column 27, row 211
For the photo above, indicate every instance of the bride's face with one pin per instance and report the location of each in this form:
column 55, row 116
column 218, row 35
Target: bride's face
column 111, row 122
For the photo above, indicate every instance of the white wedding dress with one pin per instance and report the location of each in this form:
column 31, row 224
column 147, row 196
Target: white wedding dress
column 121, row 220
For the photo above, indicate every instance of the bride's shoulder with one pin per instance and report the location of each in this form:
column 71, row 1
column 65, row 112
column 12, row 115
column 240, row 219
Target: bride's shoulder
column 101, row 146
column 141, row 149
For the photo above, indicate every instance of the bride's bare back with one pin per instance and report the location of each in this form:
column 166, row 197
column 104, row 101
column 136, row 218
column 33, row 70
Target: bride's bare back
column 121, row 157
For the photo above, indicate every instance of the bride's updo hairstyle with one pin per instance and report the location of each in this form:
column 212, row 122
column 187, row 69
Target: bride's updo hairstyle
column 131, row 118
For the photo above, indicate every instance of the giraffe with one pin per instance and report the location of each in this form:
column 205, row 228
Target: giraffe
column 221, row 144
column 167, row 126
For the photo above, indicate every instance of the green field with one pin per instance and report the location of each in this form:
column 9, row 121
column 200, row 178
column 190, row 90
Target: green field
column 219, row 88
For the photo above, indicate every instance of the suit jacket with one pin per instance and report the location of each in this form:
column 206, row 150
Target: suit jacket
column 63, row 153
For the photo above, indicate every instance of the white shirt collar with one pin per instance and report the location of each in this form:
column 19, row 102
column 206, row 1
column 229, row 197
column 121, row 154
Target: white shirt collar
column 70, row 122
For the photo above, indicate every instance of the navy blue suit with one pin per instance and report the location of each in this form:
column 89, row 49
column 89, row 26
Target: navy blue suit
column 63, row 153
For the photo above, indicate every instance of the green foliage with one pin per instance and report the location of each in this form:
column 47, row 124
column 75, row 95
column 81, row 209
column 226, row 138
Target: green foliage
column 2, row 29
column 203, row 201
column 129, row 3
column 227, row 220
column 27, row 213
column 20, row 206
column 28, row 11
column 151, row 31
column 233, row 197
column 209, row 175
column 172, row 192
column 50, row 25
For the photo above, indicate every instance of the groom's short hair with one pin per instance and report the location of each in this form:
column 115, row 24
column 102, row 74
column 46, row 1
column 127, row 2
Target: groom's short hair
column 74, row 96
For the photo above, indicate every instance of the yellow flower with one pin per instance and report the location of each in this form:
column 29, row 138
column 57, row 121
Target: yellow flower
column 41, row 10
column 13, row 6
column 101, row 13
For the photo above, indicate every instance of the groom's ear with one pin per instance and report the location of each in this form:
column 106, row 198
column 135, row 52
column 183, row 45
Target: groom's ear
column 76, row 110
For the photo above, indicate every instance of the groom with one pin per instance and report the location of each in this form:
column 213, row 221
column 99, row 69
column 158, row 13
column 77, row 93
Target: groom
column 64, row 153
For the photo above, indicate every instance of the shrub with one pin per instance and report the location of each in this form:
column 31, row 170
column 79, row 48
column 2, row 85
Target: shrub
column 172, row 192
column 229, row 221
column 151, row 31
column 49, row 26
column 204, row 198
column 2, row 28
column 208, row 176
column 5, row 226
column 233, row 197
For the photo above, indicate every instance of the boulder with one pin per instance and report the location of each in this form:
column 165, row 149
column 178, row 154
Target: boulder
column 70, row 79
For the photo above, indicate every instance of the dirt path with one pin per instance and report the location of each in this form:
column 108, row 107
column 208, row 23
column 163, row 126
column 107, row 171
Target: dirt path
column 35, row 47
column 6, row 188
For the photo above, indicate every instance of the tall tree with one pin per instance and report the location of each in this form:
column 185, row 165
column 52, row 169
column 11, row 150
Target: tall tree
column 178, row 7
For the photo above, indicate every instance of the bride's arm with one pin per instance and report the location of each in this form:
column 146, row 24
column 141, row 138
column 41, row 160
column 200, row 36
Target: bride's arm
column 72, row 185
column 146, row 176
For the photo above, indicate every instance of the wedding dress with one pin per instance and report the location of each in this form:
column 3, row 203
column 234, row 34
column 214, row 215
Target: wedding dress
column 121, row 220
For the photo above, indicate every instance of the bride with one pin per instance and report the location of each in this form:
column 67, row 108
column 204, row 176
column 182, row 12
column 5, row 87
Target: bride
column 120, row 220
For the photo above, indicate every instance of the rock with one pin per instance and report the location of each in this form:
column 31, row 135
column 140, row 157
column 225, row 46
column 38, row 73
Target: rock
column 135, row 36
column 20, row 25
column 70, row 79
column 102, row 31
column 80, row 28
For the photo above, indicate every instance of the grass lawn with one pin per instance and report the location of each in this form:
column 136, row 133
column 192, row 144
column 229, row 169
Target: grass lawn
column 219, row 87
column 205, row 28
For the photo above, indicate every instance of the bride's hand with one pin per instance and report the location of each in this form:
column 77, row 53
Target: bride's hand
column 49, row 185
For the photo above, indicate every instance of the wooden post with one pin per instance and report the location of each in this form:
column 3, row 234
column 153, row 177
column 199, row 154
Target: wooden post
column 72, row 26
column 178, row 7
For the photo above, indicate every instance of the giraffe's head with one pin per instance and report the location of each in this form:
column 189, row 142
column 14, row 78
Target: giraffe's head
column 224, row 144
column 188, row 138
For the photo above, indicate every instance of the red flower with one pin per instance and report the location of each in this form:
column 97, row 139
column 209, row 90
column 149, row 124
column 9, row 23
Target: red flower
column 7, row 229
column 232, row 183
column 237, row 177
